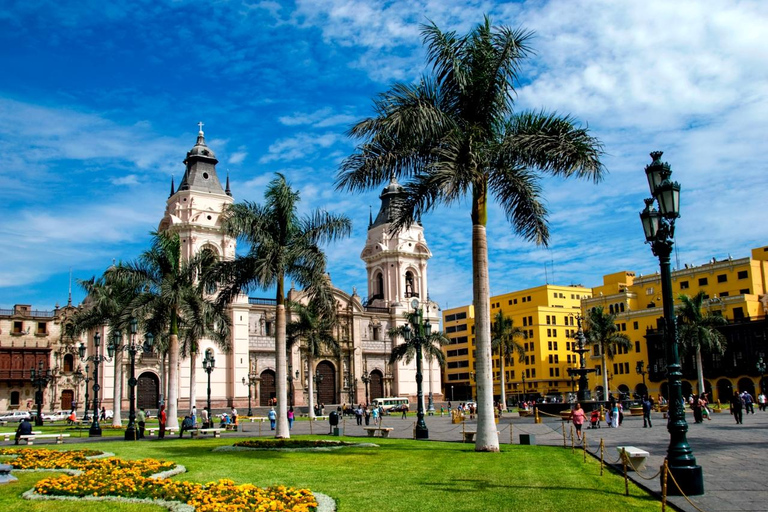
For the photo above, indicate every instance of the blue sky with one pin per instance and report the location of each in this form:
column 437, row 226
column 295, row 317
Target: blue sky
column 99, row 103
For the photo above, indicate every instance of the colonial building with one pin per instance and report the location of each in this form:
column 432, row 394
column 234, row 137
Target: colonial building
column 396, row 264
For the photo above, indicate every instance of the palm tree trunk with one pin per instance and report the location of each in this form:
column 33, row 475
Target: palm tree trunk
column 281, row 365
column 700, row 370
column 503, row 380
column 192, row 380
column 117, row 389
column 605, row 377
column 310, row 388
column 172, row 409
column 487, row 438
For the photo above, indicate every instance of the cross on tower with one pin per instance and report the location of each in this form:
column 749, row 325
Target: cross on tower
column 200, row 124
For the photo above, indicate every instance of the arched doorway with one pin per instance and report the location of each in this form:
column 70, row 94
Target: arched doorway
column 687, row 389
column 326, row 390
column 623, row 392
column 641, row 390
column 664, row 390
column 67, row 399
column 147, row 391
column 267, row 388
column 746, row 384
column 377, row 384
column 724, row 390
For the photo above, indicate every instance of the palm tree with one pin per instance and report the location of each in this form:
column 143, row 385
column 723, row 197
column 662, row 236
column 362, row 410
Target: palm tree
column 168, row 285
column 601, row 330
column 282, row 244
column 429, row 346
column 697, row 330
column 107, row 303
column 314, row 325
column 455, row 135
column 201, row 317
column 504, row 336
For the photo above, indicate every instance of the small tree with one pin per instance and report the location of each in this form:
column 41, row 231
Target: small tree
column 601, row 330
column 504, row 336
column 697, row 331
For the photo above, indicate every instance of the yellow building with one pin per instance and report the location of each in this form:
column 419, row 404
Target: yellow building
column 547, row 316
column 734, row 288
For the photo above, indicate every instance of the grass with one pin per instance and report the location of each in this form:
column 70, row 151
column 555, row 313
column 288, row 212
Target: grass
column 400, row 475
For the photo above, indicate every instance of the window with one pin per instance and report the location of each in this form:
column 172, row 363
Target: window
column 567, row 345
column 555, row 345
column 598, row 370
column 557, row 372
column 376, row 333
column 41, row 328
column 743, row 274
column 268, row 328
column 549, row 346
column 462, row 327
column 450, row 328
column 554, row 333
column 525, row 322
column 635, row 326
column 18, row 327
column 557, row 359
column 551, row 372
column 683, row 285
column 568, row 360
column 514, row 301
column 551, row 359
column 533, row 359
column 703, row 281
column 738, row 313
column 533, row 375
column 724, row 294
column 527, row 359
column 450, row 318
column 744, row 291
column 458, row 364
column 637, row 347
column 15, row 396
column 722, row 278
column 509, row 303
column 615, row 368
column 595, row 349
column 549, row 333
column 461, row 316
column 69, row 363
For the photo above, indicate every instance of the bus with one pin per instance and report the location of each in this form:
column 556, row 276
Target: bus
column 390, row 403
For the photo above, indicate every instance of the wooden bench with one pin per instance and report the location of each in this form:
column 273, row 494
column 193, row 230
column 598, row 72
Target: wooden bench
column 383, row 431
column 260, row 419
column 231, row 426
column 469, row 435
column 31, row 437
column 637, row 457
column 215, row 431
column 3, row 423
column 8, row 435
column 168, row 430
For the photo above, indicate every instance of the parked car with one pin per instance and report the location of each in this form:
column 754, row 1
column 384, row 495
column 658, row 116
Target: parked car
column 15, row 416
column 397, row 409
column 56, row 416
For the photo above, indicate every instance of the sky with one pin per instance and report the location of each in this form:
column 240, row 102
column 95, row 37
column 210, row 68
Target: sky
column 99, row 102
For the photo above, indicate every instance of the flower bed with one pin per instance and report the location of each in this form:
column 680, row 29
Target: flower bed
column 133, row 479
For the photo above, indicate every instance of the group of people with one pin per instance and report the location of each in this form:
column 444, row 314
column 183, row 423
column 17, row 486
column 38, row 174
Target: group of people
column 744, row 403
column 367, row 413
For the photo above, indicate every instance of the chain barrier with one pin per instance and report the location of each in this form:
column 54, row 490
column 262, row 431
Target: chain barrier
column 666, row 465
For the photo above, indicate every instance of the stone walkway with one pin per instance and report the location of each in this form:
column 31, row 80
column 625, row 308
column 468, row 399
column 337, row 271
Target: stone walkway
column 733, row 457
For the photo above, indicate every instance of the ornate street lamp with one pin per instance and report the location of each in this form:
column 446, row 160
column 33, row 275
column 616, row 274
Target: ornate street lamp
column 659, row 230
column 318, row 379
column 424, row 330
column 640, row 369
column 131, row 432
column 248, row 381
column 582, row 371
column 40, row 379
column 209, row 363
column 79, row 377
column 87, row 379
column 366, row 378
column 95, row 430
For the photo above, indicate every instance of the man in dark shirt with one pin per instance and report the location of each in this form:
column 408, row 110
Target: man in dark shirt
column 24, row 429
column 736, row 407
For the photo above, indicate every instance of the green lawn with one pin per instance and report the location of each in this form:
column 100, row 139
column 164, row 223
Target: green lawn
column 400, row 475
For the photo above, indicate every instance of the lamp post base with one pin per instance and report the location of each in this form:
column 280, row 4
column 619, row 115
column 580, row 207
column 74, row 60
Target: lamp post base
column 690, row 480
column 94, row 431
column 422, row 433
column 131, row 434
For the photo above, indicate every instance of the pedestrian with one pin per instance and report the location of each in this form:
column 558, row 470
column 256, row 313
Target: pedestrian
column 367, row 415
column 647, row 407
column 704, row 409
column 375, row 416
column 696, row 408
column 193, row 415
column 24, row 429
column 291, row 417
column 103, row 415
column 272, row 415
column 234, row 417
column 615, row 413
column 577, row 416
column 761, row 401
column 141, row 420
column 405, row 411
column 205, row 415
column 359, row 414
column 748, row 403
column 736, row 408
column 161, row 418
column 186, row 424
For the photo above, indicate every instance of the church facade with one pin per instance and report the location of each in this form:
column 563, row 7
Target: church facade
column 396, row 264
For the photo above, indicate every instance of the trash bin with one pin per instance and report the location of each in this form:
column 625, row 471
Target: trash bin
column 529, row 439
column 333, row 419
column 338, row 431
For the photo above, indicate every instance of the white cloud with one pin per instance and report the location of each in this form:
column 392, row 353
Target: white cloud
column 131, row 179
column 299, row 146
column 237, row 157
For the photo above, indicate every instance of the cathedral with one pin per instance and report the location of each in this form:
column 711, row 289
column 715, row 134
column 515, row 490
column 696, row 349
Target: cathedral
column 396, row 265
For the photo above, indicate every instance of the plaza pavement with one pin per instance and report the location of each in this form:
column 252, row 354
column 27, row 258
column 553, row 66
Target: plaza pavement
column 733, row 457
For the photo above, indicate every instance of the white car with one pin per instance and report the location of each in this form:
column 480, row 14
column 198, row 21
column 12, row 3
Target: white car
column 15, row 416
column 56, row 416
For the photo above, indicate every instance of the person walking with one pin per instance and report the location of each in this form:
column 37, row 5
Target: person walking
column 161, row 418
column 405, row 411
column 272, row 415
column 367, row 415
column 748, row 403
column 375, row 416
column 291, row 417
column 577, row 416
column 615, row 414
column 141, row 420
column 647, row 407
column 736, row 408
column 204, row 416
column 761, row 400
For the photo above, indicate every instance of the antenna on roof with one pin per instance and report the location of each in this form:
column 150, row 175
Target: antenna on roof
column 69, row 301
